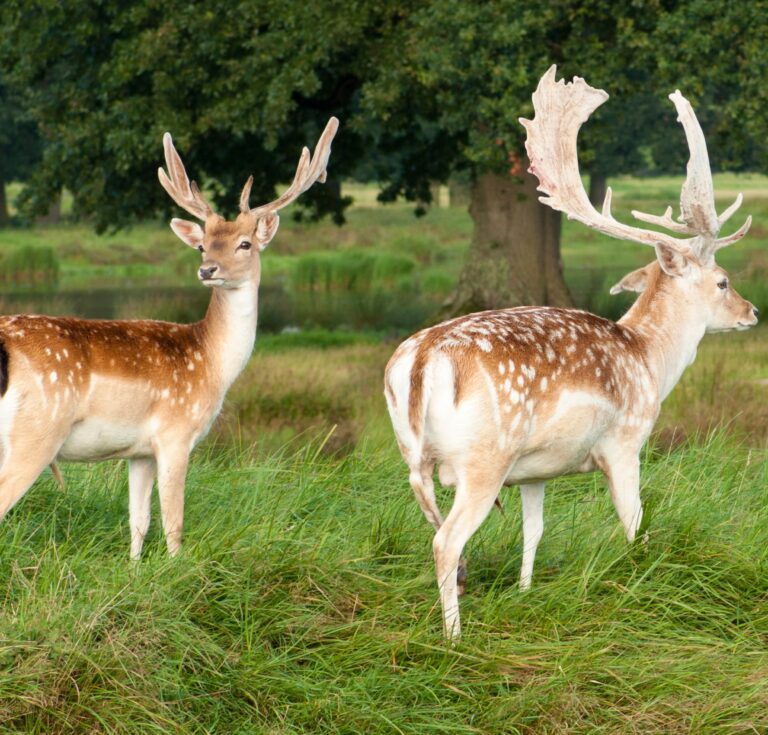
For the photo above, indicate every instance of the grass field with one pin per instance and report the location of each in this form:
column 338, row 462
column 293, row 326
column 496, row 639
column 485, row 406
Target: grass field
column 304, row 600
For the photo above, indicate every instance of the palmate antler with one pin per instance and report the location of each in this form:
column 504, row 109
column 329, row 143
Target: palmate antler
column 560, row 111
column 187, row 195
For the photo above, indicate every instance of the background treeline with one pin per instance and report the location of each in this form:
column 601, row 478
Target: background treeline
column 426, row 92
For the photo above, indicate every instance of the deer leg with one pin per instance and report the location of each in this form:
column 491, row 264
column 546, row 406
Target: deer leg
column 25, row 459
column 171, row 474
column 532, row 497
column 623, row 475
column 475, row 495
column 423, row 486
column 141, row 476
column 424, row 489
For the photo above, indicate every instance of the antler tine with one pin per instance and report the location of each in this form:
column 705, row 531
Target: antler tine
column 308, row 171
column 665, row 221
column 245, row 207
column 726, row 215
column 735, row 237
column 560, row 110
column 187, row 195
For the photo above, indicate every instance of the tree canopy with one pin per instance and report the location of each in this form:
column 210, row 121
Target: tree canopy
column 423, row 90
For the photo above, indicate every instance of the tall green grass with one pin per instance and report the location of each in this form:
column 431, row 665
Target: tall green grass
column 30, row 265
column 305, row 601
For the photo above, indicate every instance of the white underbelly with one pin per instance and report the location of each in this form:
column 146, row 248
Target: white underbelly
column 563, row 442
column 97, row 438
column 549, row 462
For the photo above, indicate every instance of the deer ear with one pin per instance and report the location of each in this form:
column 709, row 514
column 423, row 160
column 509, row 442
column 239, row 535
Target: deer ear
column 189, row 232
column 266, row 229
column 672, row 262
column 635, row 281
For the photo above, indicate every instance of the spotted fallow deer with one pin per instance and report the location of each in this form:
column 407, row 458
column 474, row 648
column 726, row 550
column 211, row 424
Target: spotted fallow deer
column 518, row 396
column 87, row 390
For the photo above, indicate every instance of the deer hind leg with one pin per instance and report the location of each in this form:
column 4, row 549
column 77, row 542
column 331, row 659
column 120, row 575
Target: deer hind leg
column 423, row 484
column 172, row 461
column 24, row 458
column 476, row 492
column 532, row 497
column 141, row 476
column 623, row 474
column 424, row 489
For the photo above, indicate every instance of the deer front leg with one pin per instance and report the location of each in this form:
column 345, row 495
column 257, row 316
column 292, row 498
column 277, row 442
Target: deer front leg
column 532, row 497
column 172, row 463
column 622, row 471
column 141, row 476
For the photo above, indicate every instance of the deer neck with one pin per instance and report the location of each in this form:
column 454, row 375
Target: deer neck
column 229, row 330
column 669, row 326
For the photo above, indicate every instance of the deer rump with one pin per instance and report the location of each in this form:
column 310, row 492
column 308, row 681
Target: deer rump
column 527, row 398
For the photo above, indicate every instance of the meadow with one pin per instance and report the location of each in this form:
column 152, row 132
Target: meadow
column 304, row 600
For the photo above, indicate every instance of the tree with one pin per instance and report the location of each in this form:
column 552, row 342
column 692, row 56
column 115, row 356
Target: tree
column 425, row 91
column 242, row 86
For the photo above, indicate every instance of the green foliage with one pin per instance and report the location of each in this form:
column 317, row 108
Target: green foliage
column 242, row 86
column 19, row 138
column 458, row 75
column 424, row 90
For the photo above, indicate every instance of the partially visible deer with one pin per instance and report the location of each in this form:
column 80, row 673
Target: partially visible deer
column 518, row 396
column 86, row 390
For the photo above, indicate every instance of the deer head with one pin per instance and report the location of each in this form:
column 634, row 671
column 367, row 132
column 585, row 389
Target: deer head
column 686, row 263
column 230, row 250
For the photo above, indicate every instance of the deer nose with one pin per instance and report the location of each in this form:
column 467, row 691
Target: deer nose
column 206, row 273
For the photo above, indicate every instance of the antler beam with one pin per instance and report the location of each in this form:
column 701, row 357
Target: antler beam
column 187, row 195
column 308, row 171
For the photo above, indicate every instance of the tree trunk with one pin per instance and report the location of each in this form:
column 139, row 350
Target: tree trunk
column 598, row 185
column 514, row 258
column 3, row 205
column 53, row 216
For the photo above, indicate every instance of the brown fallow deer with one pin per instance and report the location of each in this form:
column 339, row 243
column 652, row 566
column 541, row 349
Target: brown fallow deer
column 86, row 390
column 519, row 396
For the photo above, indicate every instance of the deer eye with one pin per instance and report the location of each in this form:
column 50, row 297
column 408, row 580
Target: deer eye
column 244, row 245
column 723, row 284
column 200, row 249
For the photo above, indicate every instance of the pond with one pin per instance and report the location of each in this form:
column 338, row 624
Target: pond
column 279, row 307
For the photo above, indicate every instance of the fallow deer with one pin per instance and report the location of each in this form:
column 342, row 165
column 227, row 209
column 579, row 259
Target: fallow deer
column 86, row 390
column 519, row 396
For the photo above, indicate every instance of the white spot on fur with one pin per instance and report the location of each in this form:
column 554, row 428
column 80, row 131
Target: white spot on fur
column 53, row 377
